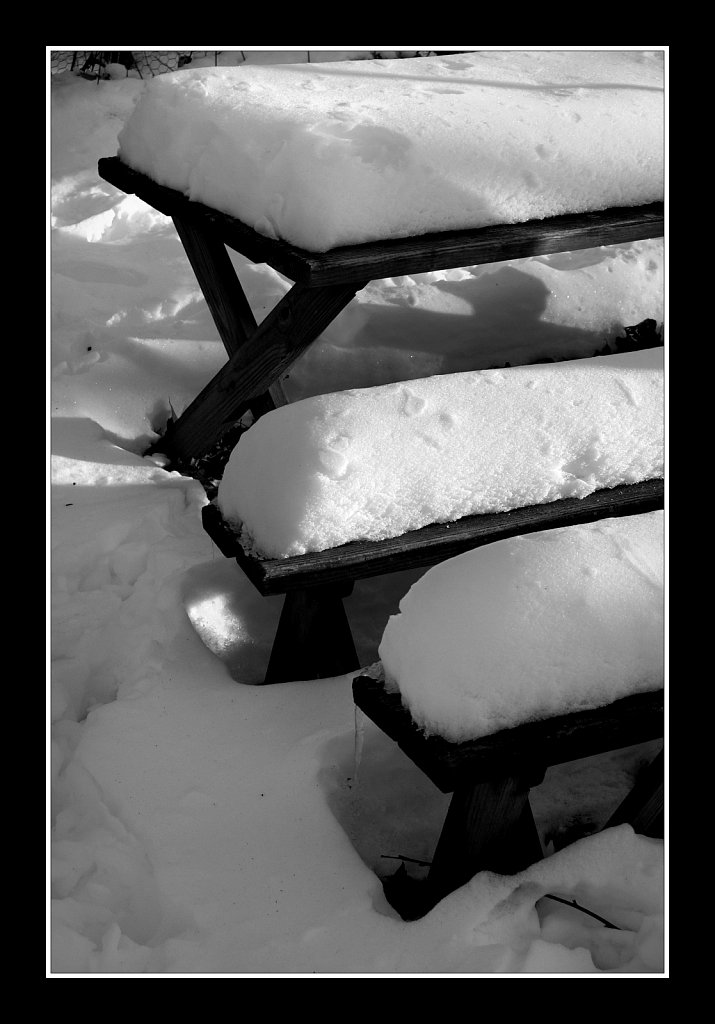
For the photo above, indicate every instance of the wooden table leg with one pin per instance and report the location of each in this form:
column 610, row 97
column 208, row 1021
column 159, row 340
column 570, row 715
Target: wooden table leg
column 313, row 639
column 225, row 297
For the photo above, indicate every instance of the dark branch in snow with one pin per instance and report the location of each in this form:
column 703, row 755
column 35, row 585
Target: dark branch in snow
column 546, row 896
column 573, row 903
column 410, row 860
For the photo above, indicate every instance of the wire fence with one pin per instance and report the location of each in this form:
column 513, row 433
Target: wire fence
column 139, row 63
column 105, row 64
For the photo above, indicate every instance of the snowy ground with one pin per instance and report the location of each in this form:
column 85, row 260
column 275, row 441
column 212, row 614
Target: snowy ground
column 204, row 825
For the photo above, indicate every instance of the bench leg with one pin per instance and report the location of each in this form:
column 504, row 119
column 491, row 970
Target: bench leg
column 489, row 827
column 643, row 807
column 313, row 639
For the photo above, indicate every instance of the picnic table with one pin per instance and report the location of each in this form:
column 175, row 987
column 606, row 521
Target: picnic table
column 489, row 824
column 313, row 638
column 325, row 282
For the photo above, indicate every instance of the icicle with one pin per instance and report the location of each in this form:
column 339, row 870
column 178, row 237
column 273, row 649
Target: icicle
column 359, row 742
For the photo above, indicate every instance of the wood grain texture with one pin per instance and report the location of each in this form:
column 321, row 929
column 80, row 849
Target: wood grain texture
column 524, row 748
column 412, row 255
column 489, row 827
column 431, row 544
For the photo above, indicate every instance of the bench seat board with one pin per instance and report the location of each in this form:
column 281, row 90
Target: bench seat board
column 429, row 545
column 524, row 748
column 394, row 257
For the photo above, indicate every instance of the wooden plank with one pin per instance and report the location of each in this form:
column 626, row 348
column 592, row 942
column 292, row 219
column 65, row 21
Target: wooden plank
column 277, row 342
column 258, row 248
column 448, row 249
column 633, row 719
column 431, row 544
column 412, row 255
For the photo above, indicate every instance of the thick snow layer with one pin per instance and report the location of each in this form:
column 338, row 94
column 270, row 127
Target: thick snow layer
column 531, row 627
column 374, row 463
column 356, row 151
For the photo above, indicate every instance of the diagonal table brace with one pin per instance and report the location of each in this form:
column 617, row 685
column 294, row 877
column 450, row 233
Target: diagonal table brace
column 225, row 297
column 292, row 326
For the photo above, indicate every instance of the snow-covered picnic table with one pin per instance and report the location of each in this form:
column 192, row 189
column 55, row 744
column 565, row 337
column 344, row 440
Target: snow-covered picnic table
column 338, row 174
column 326, row 889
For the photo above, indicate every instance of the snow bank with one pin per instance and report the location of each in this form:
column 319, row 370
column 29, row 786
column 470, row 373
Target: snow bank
column 531, row 627
column 356, row 151
column 374, row 463
column 508, row 926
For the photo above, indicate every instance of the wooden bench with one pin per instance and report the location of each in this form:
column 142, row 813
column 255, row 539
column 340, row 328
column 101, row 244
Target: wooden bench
column 489, row 824
column 313, row 638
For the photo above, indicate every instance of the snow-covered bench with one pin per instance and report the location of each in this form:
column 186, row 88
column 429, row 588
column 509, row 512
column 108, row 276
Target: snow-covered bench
column 489, row 824
column 507, row 660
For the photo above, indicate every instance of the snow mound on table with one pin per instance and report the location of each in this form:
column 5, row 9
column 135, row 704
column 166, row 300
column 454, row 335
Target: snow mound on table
column 531, row 627
column 375, row 463
column 357, row 151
